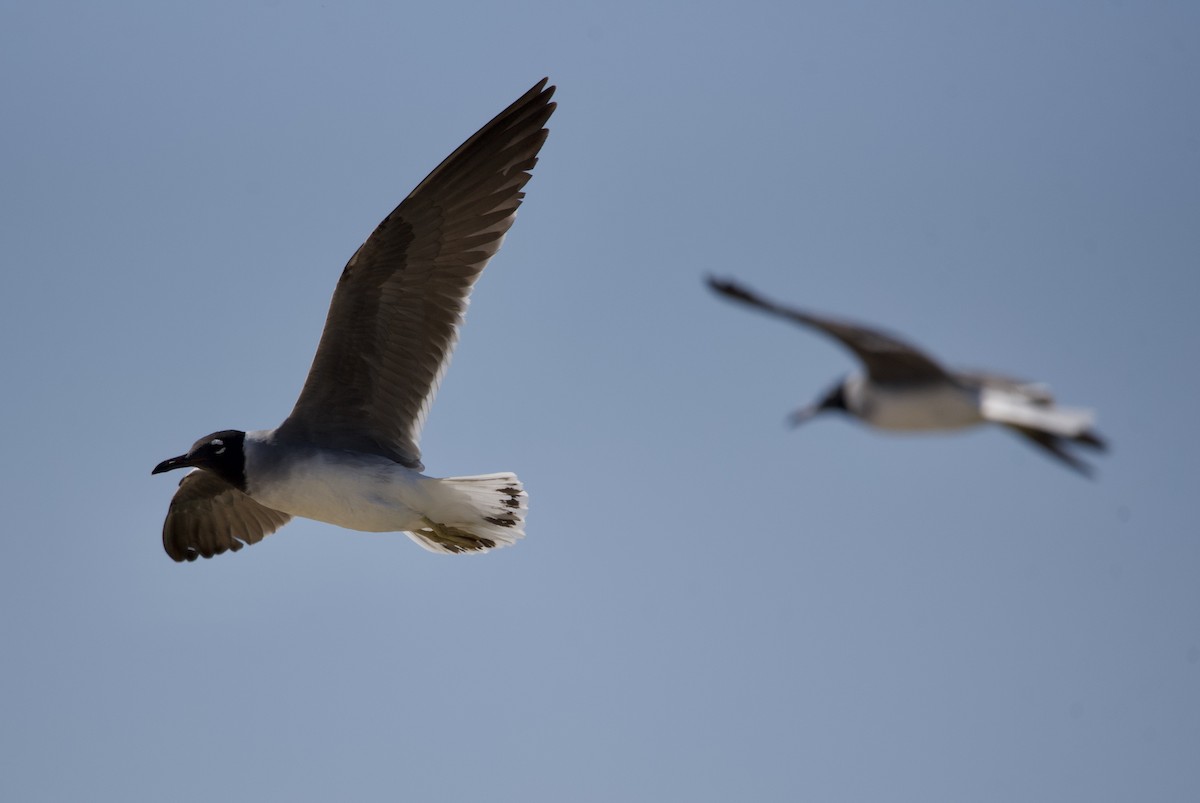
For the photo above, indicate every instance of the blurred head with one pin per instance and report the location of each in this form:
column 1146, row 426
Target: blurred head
column 835, row 399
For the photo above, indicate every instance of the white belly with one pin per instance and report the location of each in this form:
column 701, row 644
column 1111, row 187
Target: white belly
column 938, row 407
column 356, row 491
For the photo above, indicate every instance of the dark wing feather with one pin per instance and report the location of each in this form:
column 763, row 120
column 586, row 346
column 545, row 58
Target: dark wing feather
column 394, row 318
column 209, row 516
column 1055, row 446
column 886, row 358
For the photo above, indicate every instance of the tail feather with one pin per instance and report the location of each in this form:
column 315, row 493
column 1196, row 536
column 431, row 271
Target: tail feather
column 474, row 514
column 1021, row 412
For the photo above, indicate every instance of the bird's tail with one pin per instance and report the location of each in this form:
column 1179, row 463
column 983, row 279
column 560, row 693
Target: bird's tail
column 1018, row 410
column 1048, row 427
column 474, row 514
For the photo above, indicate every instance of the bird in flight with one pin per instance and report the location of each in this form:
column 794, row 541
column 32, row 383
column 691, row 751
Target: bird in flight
column 348, row 453
column 904, row 389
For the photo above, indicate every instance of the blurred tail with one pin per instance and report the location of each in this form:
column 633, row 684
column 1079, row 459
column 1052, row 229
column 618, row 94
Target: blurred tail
column 1018, row 410
column 474, row 514
column 1047, row 427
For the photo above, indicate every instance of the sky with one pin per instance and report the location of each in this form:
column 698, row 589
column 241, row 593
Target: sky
column 708, row 606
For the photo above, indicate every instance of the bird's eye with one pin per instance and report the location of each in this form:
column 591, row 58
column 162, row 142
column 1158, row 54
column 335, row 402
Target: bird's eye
column 218, row 442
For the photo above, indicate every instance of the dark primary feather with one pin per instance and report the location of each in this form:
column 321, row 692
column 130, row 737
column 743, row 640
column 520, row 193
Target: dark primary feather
column 394, row 318
column 1092, row 440
column 209, row 516
column 1056, row 446
column 886, row 358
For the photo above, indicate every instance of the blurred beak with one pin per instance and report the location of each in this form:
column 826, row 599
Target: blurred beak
column 173, row 463
column 798, row 417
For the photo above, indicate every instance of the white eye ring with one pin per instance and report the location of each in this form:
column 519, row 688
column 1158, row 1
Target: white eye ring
column 218, row 442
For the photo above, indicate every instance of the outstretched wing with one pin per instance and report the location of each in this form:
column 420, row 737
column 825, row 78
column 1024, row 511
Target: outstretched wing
column 394, row 318
column 209, row 516
column 886, row 358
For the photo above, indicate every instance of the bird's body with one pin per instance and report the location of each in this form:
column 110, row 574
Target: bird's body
column 355, row 490
column 372, row 493
column 912, row 408
column 348, row 453
column 903, row 389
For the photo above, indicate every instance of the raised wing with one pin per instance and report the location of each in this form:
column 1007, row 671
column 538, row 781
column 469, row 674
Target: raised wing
column 209, row 516
column 394, row 318
column 886, row 358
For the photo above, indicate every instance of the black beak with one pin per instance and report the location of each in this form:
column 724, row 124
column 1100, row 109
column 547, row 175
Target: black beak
column 173, row 463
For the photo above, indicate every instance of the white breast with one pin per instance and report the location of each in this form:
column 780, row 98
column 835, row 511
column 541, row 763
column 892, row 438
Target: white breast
column 352, row 490
column 931, row 407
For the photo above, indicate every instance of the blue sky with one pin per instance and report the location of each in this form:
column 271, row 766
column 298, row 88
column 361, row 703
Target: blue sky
column 707, row 607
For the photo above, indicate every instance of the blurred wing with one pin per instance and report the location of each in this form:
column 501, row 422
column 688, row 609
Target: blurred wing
column 1054, row 446
column 886, row 358
column 394, row 318
column 209, row 516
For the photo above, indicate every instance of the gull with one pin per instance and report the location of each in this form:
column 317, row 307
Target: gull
column 903, row 389
column 348, row 453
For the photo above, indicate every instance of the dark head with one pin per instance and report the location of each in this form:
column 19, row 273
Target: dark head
column 221, row 453
column 835, row 399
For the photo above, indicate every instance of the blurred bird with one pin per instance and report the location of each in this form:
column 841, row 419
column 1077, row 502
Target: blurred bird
column 906, row 390
column 348, row 454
